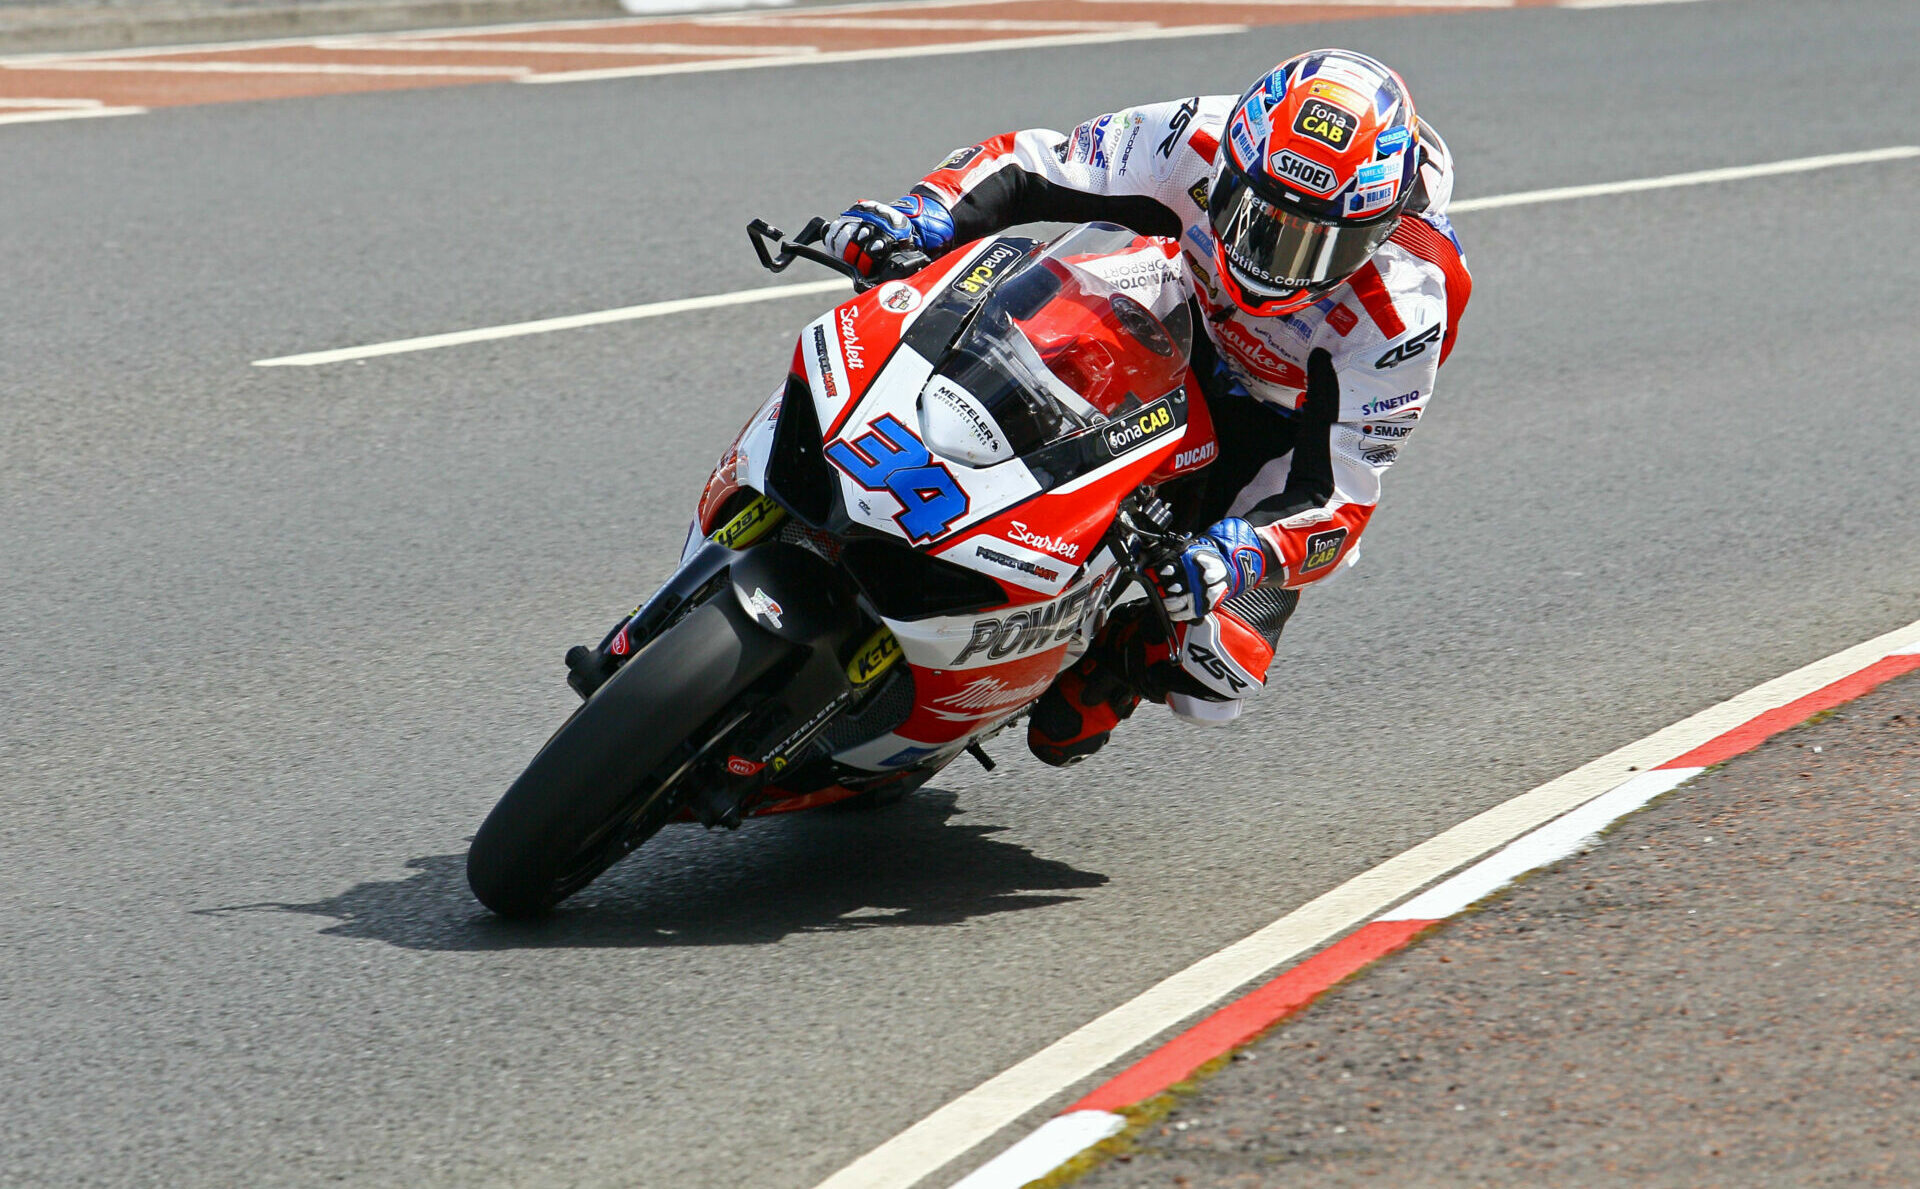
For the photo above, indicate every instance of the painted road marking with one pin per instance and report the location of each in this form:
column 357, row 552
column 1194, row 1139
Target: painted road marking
column 150, row 67
column 780, row 292
column 548, row 325
column 911, row 51
column 630, row 49
column 37, row 110
column 566, row 51
column 1698, row 178
column 1626, row 773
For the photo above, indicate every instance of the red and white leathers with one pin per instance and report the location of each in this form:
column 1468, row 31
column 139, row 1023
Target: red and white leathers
column 1353, row 372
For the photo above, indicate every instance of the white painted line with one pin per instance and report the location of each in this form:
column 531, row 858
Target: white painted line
column 456, row 338
column 148, row 65
column 935, row 23
column 630, row 49
column 774, row 293
column 1615, row 3
column 25, row 101
column 1052, row 1144
column 1699, row 178
column 874, row 55
column 956, row 1128
column 640, row 7
column 1550, row 843
column 82, row 113
column 1415, row 4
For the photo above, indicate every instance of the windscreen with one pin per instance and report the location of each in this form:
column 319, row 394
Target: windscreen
column 1087, row 329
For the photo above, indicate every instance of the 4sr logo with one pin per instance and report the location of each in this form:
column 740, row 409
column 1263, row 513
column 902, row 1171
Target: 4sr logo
column 1407, row 350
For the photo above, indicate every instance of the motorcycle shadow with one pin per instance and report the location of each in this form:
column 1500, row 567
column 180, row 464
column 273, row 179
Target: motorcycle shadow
column 908, row 864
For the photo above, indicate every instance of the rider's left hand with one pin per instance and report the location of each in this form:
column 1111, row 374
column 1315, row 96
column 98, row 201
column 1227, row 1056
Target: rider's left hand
column 1220, row 563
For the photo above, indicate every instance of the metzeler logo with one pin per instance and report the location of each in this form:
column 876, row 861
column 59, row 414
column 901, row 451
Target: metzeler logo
column 1309, row 174
column 1016, row 531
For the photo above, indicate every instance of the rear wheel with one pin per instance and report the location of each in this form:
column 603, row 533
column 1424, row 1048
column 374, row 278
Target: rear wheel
column 613, row 774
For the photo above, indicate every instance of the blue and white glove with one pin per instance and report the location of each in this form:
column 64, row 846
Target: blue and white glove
column 1220, row 563
column 894, row 238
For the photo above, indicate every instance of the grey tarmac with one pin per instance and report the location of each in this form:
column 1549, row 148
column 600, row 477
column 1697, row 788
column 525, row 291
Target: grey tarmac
column 1718, row 993
column 276, row 639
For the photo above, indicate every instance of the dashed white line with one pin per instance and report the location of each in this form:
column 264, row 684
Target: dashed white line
column 779, row 292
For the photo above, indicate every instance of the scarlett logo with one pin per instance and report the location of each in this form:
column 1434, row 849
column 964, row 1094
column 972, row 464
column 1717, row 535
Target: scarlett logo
column 763, row 607
column 1308, row 175
column 850, row 340
column 899, row 297
column 1016, row 531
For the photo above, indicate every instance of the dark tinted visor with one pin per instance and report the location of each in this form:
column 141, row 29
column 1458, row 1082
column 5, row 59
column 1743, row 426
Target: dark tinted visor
column 1276, row 251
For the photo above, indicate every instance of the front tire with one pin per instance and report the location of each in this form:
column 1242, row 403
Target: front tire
column 602, row 784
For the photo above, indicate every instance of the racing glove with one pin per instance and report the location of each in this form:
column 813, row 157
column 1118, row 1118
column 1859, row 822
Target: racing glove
column 1216, row 565
column 891, row 239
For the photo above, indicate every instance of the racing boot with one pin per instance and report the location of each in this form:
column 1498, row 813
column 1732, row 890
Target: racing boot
column 1077, row 714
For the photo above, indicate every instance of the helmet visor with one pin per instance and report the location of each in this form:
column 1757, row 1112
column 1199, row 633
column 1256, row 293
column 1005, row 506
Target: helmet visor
column 1276, row 251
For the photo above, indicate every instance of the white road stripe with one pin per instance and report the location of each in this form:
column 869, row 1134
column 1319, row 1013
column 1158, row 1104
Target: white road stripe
column 1323, row 3
column 875, row 55
column 547, row 325
column 150, row 66
column 630, row 49
column 67, row 113
column 936, row 23
column 1699, row 178
column 1550, row 843
column 960, row 1125
column 778, row 292
column 1052, row 1144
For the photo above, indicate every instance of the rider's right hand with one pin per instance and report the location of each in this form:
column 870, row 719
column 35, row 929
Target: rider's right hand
column 890, row 240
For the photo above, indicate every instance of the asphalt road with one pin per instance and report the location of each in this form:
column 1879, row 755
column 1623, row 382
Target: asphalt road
column 276, row 639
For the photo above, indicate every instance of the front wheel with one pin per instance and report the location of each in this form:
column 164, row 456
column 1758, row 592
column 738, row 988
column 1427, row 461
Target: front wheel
column 608, row 780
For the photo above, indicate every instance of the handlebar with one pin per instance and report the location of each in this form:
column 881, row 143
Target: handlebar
column 800, row 247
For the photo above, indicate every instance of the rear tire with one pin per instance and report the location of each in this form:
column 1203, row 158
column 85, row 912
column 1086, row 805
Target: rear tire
column 603, row 783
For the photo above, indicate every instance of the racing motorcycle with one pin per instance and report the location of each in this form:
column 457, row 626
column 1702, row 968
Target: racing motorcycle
column 964, row 472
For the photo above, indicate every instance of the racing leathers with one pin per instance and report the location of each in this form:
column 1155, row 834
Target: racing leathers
column 1311, row 408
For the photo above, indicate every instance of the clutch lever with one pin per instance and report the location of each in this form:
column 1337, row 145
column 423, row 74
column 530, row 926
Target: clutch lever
column 800, row 247
column 1151, row 544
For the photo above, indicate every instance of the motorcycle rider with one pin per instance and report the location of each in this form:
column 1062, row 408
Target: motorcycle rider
column 1311, row 216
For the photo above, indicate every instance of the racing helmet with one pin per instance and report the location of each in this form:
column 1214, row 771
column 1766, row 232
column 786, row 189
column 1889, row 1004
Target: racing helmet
column 1316, row 166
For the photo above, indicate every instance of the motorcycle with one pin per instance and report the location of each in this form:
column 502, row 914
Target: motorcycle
column 964, row 473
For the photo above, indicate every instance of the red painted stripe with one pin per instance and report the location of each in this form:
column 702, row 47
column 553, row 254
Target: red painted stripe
column 1251, row 1014
column 1756, row 731
column 1371, row 288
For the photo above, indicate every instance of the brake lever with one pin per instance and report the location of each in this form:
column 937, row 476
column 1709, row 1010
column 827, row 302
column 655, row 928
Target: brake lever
column 800, row 247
